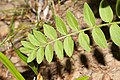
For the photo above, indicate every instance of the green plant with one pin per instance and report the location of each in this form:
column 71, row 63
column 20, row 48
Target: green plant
column 83, row 78
column 40, row 44
column 11, row 67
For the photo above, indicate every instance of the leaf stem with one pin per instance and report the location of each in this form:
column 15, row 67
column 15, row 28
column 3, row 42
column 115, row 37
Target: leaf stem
column 101, row 25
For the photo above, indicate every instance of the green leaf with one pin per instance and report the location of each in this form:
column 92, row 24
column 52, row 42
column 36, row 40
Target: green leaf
column 118, row 8
column 33, row 40
column 89, row 17
column 49, row 53
column 72, row 22
column 27, row 45
column 11, row 67
column 58, row 47
column 84, row 41
column 32, row 56
column 39, row 36
column 83, row 78
column 40, row 55
column 50, row 32
column 99, row 37
column 115, row 34
column 68, row 46
column 24, row 59
column 25, row 50
column 105, row 11
column 60, row 25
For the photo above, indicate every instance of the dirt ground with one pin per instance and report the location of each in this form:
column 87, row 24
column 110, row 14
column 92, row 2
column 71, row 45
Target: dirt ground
column 99, row 64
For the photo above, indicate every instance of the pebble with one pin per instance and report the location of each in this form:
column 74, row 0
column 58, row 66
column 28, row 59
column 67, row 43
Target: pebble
column 106, row 77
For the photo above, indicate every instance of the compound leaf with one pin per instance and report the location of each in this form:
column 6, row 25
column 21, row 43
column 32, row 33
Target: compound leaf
column 88, row 15
column 50, row 32
column 118, row 8
column 40, row 55
column 99, row 37
column 58, row 47
column 25, row 50
column 49, row 53
column 61, row 27
column 32, row 56
column 84, row 41
column 39, row 36
column 115, row 34
column 68, row 46
column 27, row 45
column 33, row 40
column 105, row 11
column 72, row 22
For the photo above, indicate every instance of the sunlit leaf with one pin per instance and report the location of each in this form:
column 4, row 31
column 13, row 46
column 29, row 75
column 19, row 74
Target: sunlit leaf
column 58, row 47
column 99, row 37
column 115, row 34
column 11, row 67
column 60, row 25
column 40, row 36
column 40, row 55
column 118, row 8
column 25, row 50
column 89, row 17
column 32, row 56
column 105, row 11
column 83, row 78
column 50, row 32
column 68, row 46
column 49, row 53
column 84, row 41
column 72, row 22
column 33, row 40
column 27, row 45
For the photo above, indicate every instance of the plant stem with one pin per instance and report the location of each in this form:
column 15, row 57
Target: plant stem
column 101, row 25
column 4, row 40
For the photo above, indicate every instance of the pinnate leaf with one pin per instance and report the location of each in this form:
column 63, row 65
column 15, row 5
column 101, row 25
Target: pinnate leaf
column 25, row 50
column 61, row 27
column 27, row 45
column 33, row 40
column 72, row 22
column 40, row 55
column 50, row 32
column 118, row 8
column 68, row 46
column 99, row 37
column 84, row 41
column 49, row 53
column 39, row 36
column 115, row 34
column 89, row 17
column 32, row 56
column 58, row 47
column 105, row 11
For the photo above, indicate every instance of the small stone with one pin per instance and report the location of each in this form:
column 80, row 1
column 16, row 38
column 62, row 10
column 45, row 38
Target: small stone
column 15, row 59
column 3, row 29
column 106, row 77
